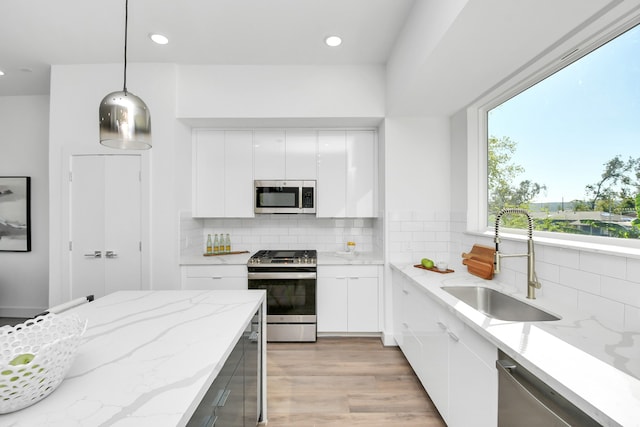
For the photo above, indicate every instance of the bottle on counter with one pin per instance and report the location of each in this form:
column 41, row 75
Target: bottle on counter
column 216, row 245
column 209, row 245
column 227, row 244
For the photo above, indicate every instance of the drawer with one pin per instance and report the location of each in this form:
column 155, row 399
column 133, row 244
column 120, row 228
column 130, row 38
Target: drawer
column 216, row 271
column 348, row 271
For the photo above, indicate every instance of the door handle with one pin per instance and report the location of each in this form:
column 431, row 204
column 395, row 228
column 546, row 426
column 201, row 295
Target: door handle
column 95, row 254
column 111, row 254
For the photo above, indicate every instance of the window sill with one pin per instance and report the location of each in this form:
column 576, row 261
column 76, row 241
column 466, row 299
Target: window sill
column 631, row 250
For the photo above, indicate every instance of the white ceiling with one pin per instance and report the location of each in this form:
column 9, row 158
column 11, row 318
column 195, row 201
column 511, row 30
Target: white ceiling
column 35, row 34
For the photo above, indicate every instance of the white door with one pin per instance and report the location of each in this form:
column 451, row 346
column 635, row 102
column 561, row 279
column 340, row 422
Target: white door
column 105, row 240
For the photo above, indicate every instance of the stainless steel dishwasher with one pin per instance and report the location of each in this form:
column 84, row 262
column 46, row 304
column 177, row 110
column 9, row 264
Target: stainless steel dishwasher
column 526, row 401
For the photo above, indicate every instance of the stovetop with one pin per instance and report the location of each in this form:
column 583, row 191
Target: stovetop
column 287, row 257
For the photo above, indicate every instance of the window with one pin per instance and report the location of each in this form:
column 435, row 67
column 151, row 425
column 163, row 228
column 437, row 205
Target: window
column 568, row 148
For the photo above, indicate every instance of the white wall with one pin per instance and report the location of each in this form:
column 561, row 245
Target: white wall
column 76, row 92
column 226, row 91
column 417, row 188
column 24, row 276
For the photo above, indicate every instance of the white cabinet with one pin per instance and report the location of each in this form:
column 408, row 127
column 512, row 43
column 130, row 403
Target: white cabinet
column 222, row 174
column 347, row 174
column 269, row 153
column 348, row 299
column 215, row 277
column 332, row 303
column 473, row 381
column 301, row 155
column 455, row 364
column 290, row 154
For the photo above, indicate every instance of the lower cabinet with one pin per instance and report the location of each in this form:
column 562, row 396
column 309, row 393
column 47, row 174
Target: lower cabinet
column 348, row 299
column 214, row 277
column 233, row 399
column 455, row 365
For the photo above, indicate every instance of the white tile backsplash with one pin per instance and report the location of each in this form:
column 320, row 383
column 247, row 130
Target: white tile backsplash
column 414, row 235
column 282, row 232
column 578, row 279
column 620, row 290
column 603, row 264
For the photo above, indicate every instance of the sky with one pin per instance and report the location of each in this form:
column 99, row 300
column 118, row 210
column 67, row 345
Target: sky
column 570, row 124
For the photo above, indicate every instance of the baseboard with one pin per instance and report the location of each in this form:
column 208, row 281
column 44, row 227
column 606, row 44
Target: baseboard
column 349, row 334
column 388, row 340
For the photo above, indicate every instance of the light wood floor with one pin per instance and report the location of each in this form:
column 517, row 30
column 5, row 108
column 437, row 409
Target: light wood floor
column 341, row 382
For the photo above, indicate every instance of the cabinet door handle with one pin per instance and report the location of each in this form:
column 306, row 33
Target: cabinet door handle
column 111, row 254
column 353, row 278
column 213, row 422
column 341, row 278
column 442, row 326
column 224, row 397
column 406, row 325
column 216, row 401
column 453, row 336
column 217, row 278
column 95, row 254
column 406, row 292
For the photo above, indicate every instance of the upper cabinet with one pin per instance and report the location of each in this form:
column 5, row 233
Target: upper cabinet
column 347, row 174
column 280, row 154
column 301, row 155
column 222, row 184
column 269, row 154
column 226, row 162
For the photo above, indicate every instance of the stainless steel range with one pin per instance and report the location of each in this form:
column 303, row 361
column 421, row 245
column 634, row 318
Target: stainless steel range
column 289, row 277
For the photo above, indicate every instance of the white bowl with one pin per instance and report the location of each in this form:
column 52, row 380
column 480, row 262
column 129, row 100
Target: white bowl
column 53, row 341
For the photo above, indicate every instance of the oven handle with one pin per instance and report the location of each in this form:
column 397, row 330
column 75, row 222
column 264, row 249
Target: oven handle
column 282, row 275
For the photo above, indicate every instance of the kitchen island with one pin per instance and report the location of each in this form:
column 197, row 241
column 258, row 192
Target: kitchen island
column 147, row 358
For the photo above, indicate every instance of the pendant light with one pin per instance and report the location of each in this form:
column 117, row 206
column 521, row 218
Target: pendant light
column 125, row 122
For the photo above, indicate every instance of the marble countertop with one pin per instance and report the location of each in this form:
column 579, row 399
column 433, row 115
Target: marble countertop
column 595, row 367
column 343, row 258
column 324, row 258
column 146, row 359
column 231, row 259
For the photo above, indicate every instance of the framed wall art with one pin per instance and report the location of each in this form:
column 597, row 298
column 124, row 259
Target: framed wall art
column 15, row 213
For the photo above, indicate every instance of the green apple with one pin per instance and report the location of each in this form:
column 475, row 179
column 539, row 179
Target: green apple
column 22, row 359
column 427, row 263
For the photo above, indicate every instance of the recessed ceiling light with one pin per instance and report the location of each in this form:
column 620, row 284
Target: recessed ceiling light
column 159, row 38
column 333, row 41
column 1, row 73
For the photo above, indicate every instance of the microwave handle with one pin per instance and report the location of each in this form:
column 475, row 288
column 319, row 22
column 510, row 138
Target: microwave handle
column 300, row 195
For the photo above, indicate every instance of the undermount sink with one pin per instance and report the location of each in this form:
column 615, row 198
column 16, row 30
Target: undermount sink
column 500, row 306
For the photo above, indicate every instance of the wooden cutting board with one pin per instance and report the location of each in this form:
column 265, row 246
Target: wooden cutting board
column 227, row 253
column 481, row 252
column 479, row 268
column 480, row 261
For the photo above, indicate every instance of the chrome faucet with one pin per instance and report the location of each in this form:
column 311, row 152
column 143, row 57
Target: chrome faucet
column 532, row 278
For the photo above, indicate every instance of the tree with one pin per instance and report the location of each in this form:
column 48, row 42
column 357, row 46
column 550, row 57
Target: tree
column 502, row 174
column 617, row 182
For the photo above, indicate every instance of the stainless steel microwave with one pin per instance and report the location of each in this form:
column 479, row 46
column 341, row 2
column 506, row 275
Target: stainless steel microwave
column 287, row 197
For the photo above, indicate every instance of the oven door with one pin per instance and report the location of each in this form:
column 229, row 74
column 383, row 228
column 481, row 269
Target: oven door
column 291, row 296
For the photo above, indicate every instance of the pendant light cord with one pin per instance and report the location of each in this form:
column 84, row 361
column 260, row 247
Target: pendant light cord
column 126, row 25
